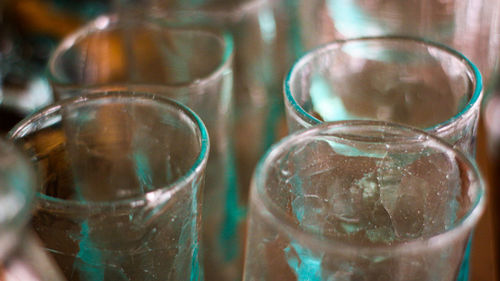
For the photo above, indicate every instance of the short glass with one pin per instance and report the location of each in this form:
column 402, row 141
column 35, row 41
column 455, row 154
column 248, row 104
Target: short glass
column 400, row 79
column 361, row 200
column 21, row 254
column 188, row 64
column 121, row 184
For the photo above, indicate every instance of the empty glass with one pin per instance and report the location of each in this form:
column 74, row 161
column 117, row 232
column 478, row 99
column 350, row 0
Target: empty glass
column 121, row 178
column 399, row 79
column 21, row 255
column 361, row 200
column 190, row 65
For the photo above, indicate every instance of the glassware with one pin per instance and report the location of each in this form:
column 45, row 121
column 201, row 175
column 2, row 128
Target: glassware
column 264, row 42
column 121, row 178
column 21, row 255
column 471, row 27
column 361, row 200
column 190, row 65
column 398, row 79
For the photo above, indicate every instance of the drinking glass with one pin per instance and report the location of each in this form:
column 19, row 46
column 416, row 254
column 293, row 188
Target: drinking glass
column 21, row 255
column 263, row 47
column 190, row 65
column 398, row 79
column 361, row 200
column 472, row 27
column 121, row 178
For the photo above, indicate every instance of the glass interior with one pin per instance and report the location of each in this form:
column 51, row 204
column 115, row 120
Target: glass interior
column 130, row 51
column 112, row 146
column 400, row 80
column 368, row 186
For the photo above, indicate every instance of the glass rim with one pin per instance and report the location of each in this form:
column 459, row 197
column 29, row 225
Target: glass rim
column 166, row 192
column 110, row 21
column 276, row 216
column 473, row 74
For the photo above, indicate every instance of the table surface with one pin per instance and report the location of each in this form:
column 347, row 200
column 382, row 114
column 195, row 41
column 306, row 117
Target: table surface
column 485, row 265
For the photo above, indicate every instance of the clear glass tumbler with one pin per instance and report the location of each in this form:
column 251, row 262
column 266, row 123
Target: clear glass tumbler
column 188, row 64
column 263, row 44
column 361, row 200
column 21, row 254
column 121, row 185
column 398, row 79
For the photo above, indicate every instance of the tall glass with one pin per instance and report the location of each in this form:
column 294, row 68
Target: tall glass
column 21, row 255
column 121, row 184
column 398, row 79
column 472, row 27
column 190, row 65
column 263, row 53
column 361, row 200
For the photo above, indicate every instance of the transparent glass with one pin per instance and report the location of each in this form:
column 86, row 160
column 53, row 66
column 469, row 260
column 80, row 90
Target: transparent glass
column 398, row 79
column 470, row 26
column 190, row 65
column 121, row 185
column 361, row 200
column 21, row 255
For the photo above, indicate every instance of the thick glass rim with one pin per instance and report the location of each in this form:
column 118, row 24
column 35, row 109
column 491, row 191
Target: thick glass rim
column 164, row 192
column 111, row 21
column 473, row 74
column 277, row 217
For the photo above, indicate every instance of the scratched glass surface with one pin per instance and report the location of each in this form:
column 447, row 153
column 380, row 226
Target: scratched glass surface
column 361, row 202
column 398, row 79
column 120, row 195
